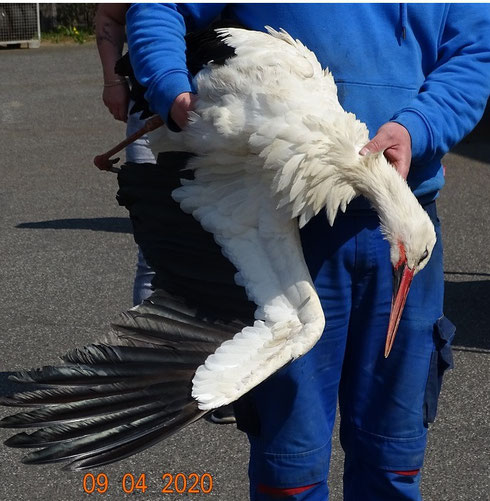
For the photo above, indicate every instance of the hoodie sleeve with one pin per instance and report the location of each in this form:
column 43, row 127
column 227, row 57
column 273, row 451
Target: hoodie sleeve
column 157, row 47
column 453, row 96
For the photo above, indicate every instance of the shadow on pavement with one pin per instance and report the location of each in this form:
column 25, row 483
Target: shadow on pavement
column 466, row 305
column 476, row 149
column 476, row 145
column 109, row 224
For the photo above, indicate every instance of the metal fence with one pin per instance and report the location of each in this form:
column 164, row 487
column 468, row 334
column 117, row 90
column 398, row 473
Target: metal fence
column 19, row 23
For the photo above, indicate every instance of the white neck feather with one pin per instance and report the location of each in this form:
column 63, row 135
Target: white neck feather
column 398, row 209
column 317, row 164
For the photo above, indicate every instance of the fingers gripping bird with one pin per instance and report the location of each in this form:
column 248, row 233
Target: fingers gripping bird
column 270, row 148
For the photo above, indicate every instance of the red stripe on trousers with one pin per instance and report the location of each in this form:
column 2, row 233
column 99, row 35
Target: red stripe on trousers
column 408, row 473
column 280, row 492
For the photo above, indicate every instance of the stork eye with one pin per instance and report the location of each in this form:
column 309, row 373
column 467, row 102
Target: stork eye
column 424, row 256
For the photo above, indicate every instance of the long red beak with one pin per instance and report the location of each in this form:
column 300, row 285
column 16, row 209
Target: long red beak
column 402, row 278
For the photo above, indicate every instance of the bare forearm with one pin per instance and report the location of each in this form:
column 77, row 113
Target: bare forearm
column 110, row 31
column 110, row 35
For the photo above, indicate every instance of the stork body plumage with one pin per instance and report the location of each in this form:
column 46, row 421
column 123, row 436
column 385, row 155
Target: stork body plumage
column 273, row 144
column 271, row 147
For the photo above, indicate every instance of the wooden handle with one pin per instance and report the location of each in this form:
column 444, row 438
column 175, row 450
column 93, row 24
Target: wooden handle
column 104, row 162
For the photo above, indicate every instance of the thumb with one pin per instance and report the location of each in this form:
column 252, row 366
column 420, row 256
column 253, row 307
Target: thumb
column 374, row 146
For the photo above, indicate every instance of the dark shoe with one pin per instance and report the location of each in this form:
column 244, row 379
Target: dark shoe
column 223, row 415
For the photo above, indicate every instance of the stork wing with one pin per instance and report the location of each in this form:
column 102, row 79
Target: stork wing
column 215, row 327
column 132, row 389
column 233, row 203
column 122, row 394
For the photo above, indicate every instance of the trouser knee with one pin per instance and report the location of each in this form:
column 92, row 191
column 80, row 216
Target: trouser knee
column 371, row 483
column 312, row 492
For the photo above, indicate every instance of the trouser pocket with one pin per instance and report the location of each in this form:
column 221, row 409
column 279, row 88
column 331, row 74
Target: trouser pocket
column 441, row 360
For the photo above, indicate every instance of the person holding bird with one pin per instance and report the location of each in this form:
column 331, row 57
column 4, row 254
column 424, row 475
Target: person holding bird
column 418, row 76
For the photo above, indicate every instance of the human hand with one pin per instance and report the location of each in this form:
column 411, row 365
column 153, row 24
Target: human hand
column 116, row 98
column 179, row 112
column 395, row 143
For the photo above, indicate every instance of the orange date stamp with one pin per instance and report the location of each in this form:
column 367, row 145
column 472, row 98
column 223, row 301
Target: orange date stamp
column 171, row 483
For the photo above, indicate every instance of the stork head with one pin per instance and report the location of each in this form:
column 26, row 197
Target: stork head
column 404, row 223
column 412, row 237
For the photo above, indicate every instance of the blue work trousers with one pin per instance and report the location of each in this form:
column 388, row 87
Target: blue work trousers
column 385, row 404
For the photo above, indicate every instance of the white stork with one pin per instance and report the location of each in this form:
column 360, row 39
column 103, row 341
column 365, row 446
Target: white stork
column 273, row 147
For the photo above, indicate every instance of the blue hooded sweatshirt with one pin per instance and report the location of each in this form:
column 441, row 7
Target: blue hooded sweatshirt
column 425, row 66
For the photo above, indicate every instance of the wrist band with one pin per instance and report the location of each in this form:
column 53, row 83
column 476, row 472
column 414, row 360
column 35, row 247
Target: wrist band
column 113, row 83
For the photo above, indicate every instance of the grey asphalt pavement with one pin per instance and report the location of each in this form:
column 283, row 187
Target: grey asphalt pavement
column 68, row 259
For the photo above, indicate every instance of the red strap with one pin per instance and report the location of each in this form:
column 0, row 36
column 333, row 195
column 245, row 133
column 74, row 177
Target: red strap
column 282, row 492
column 409, row 473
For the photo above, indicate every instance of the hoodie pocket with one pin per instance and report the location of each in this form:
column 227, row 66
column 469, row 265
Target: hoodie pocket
column 441, row 360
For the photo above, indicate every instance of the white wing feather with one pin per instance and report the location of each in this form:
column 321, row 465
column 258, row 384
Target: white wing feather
column 263, row 244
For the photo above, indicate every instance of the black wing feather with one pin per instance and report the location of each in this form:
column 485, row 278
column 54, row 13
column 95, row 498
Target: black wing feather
column 202, row 47
column 121, row 395
column 188, row 416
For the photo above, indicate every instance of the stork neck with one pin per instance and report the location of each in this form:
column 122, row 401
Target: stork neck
column 387, row 191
